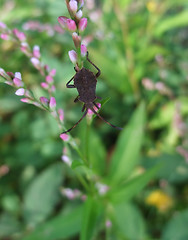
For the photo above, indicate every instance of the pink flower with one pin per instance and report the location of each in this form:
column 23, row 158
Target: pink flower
column 73, row 6
column 35, row 62
column 44, row 85
column 25, row 48
column 20, row 35
column 79, row 14
column 61, row 114
column 36, row 51
column 82, row 24
column 71, row 25
column 25, row 100
column 90, row 113
column 53, row 88
column 108, row 223
column 4, row 74
column 3, row 25
column 44, row 101
column 20, row 92
column 63, row 21
column 73, row 56
column 83, row 50
column 18, row 75
column 65, row 137
column 76, row 39
column 17, row 82
column 66, row 160
column 52, row 103
column 49, row 79
column 5, row 36
column 81, row 3
column 52, row 72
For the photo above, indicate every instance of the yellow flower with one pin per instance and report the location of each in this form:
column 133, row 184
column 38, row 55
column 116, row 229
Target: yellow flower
column 151, row 6
column 160, row 200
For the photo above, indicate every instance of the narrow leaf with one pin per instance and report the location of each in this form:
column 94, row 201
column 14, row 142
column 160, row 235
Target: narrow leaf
column 90, row 218
column 128, row 147
column 129, row 189
column 42, row 195
column 60, row 227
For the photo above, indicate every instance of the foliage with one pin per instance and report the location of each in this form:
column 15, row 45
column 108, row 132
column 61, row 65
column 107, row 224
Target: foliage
column 102, row 187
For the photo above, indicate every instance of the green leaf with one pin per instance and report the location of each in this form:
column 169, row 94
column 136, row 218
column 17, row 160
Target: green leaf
column 126, row 154
column 60, row 227
column 42, row 195
column 176, row 228
column 173, row 167
column 128, row 218
column 115, row 74
column 132, row 187
column 97, row 153
column 178, row 20
column 90, row 218
column 8, row 225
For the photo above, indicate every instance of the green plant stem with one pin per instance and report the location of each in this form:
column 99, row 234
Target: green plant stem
column 83, row 182
column 87, row 142
column 129, row 55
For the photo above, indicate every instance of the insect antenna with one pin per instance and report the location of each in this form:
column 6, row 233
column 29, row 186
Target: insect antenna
column 77, row 122
column 98, row 115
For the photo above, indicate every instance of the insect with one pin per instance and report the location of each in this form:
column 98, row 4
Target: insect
column 85, row 82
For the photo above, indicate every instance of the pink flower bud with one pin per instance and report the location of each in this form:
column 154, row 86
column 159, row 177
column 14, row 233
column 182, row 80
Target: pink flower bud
column 90, row 113
column 65, row 137
column 18, row 75
column 83, row 50
column 108, row 223
column 44, row 101
column 61, row 114
column 66, row 160
column 4, row 74
column 76, row 39
column 63, row 21
column 35, row 62
column 44, row 85
column 73, row 6
column 25, row 48
column 82, row 24
column 53, row 88
column 73, row 56
column 71, row 25
column 20, row 35
column 20, row 92
column 49, row 79
column 5, row 36
column 79, row 14
column 25, row 100
column 3, row 25
column 81, row 3
column 52, row 72
column 36, row 51
column 17, row 82
column 52, row 103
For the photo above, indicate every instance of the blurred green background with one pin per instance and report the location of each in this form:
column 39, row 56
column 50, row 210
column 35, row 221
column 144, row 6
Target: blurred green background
column 141, row 48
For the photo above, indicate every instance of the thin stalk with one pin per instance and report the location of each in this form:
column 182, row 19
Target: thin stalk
column 129, row 55
column 87, row 143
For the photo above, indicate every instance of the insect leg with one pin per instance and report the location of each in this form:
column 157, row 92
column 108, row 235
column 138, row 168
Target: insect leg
column 77, row 122
column 68, row 85
column 76, row 99
column 84, row 106
column 98, row 115
column 96, row 105
column 99, row 97
column 99, row 71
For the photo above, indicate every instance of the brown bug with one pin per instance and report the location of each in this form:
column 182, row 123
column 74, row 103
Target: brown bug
column 85, row 82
